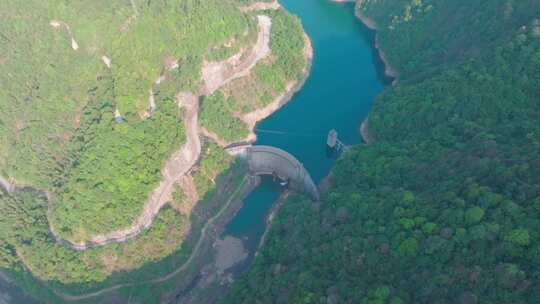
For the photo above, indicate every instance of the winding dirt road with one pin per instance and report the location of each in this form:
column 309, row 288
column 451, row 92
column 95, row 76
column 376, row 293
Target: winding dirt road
column 217, row 74
column 178, row 165
column 184, row 159
column 261, row 6
column 194, row 253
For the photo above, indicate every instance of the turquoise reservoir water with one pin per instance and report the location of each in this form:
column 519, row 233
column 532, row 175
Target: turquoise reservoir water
column 345, row 78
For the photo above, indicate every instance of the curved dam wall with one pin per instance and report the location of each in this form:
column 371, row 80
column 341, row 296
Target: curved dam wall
column 267, row 160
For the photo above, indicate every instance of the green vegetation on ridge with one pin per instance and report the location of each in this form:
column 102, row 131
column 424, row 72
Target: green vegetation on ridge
column 216, row 115
column 419, row 37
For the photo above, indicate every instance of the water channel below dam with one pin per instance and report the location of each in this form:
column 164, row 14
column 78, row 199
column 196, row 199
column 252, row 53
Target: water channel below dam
column 346, row 76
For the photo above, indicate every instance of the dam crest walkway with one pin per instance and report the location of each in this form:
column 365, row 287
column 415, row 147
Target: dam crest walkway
column 267, row 160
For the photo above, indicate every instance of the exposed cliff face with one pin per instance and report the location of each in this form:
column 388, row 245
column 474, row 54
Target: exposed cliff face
column 389, row 70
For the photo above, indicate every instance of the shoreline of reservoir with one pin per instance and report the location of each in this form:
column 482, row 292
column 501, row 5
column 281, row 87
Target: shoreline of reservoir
column 389, row 70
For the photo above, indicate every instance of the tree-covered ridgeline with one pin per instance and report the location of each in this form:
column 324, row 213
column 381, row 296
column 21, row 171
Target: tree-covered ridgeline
column 421, row 37
column 64, row 138
column 217, row 116
column 444, row 206
column 59, row 134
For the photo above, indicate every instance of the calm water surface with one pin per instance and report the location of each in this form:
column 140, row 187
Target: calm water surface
column 345, row 78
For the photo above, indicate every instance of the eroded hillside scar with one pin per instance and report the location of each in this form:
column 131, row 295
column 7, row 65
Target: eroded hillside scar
column 217, row 74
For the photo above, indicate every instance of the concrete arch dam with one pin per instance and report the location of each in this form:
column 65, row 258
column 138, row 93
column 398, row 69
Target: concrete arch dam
column 266, row 160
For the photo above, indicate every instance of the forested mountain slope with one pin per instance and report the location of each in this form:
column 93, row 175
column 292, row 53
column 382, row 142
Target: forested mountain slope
column 420, row 36
column 64, row 77
column 444, row 206
column 96, row 99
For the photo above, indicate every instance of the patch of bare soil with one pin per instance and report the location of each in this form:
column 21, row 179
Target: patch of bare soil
column 187, row 184
column 364, row 132
column 58, row 24
column 6, row 185
column 261, row 6
column 229, row 252
column 217, row 74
